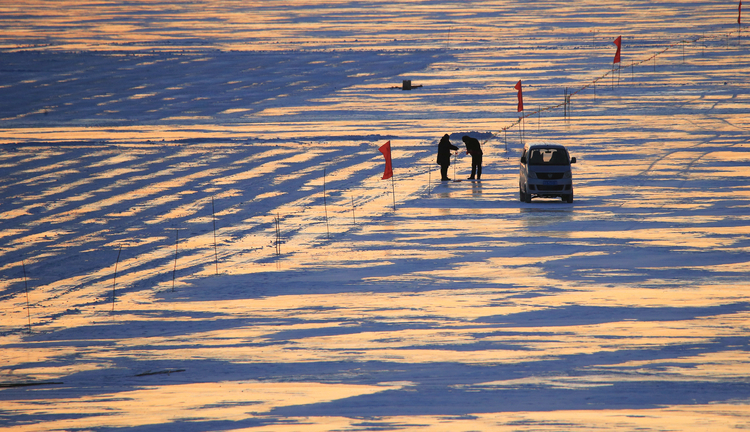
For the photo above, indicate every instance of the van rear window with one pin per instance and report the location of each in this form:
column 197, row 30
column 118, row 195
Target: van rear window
column 548, row 156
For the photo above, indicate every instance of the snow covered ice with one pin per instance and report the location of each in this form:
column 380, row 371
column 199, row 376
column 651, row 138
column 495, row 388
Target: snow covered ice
column 130, row 131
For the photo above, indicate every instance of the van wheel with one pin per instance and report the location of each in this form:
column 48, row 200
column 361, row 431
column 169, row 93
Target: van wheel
column 521, row 195
column 527, row 198
column 569, row 198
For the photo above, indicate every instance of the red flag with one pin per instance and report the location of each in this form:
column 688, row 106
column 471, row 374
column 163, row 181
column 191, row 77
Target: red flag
column 386, row 150
column 520, row 96
column 739, row 13
column 617, row 42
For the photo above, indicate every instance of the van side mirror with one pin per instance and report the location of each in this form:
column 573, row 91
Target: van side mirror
column 572, row 160
column 523, row 159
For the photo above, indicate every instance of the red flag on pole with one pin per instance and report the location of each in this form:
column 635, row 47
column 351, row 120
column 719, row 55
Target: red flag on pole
column 739, row 13
column 520, row 96
column 386, row 150
column 617, row 42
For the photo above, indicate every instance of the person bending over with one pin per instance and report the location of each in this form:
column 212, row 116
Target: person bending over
column 475, row 150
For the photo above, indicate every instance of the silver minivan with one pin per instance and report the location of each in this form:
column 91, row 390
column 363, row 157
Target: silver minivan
column 545, row 172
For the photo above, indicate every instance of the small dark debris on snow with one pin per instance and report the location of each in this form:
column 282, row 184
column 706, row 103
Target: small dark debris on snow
column 166, row 371
column 29, row 384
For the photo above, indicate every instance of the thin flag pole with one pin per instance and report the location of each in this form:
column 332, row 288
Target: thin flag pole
column 393, row 188
column 176, row 242
column 114, row 282
column 616, row 60
column 505, row 134
column 278, row 234
column 455, row 159
column 393, row 184
column 385, row 149
column 393, row 180
column 519, row 87
column 520, row 132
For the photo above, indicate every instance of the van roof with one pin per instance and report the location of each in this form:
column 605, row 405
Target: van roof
column 543, row 144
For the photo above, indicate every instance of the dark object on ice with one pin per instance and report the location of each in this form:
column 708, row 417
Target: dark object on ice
column 29, row 384
column 406, row 85
column 166, row 371
column 475, row 150
column 444, row 156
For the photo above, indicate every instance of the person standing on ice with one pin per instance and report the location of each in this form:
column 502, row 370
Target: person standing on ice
column 444, row 156
column 475, row 150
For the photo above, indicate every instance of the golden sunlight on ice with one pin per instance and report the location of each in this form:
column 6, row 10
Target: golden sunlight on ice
column 196, row 232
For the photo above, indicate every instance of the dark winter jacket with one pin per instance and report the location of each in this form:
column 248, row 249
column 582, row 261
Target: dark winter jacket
column 472, row 145
column 444, row 150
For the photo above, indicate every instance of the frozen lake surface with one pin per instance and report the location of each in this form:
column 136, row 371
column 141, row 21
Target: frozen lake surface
column 196, row 236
